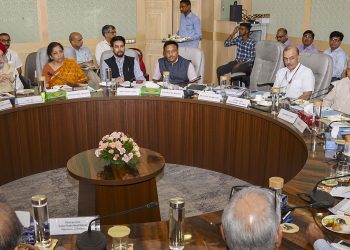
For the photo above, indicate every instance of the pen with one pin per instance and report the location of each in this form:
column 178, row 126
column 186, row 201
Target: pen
column 286, row 215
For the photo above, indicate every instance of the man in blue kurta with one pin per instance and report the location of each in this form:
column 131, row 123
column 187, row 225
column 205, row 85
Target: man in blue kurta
column 190, row 25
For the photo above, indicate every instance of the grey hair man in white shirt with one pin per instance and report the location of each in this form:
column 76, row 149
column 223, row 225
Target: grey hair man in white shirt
column 295, row 80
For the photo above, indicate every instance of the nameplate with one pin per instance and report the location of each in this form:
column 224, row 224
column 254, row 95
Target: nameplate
column 209, row 97
column 240, row 102
column 5, row 105
column 29, row 100
column 287, row 116
column 78, row 94
column 300, row 125
column 128, row 92
column 74, row 225
column 172, row 93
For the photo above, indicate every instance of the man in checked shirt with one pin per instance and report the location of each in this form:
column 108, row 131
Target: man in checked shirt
column 245, row 52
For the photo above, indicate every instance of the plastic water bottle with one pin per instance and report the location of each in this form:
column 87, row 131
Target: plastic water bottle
column 166, row 79
column 176, row 223
column 275, row 100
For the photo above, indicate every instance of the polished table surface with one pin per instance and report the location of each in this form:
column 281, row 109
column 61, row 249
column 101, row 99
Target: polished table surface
column 106, row 189
column 243, row 143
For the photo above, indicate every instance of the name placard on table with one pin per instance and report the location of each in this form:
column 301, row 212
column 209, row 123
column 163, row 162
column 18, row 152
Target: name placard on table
column 300, row 125
column 78, row 94
column 171, row 93
column 287, row 116
column 209, row 97
column 29, row 100
column 240, row 102
column 75, row 225
column 5, row 105
column 128, row 92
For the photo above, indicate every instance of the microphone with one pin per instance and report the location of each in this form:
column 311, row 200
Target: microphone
column 95, row 240
column 328, row 89
column 183, row 84
column 322, row 199
column 70, row 84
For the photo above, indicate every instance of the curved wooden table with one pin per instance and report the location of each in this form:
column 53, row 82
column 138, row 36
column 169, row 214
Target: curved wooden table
column 104, row 190
column 246, row 144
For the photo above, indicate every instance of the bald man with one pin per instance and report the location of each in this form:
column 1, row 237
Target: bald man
column 295, row 80
column 84, row 57
column 282, row 37
column 251, row 220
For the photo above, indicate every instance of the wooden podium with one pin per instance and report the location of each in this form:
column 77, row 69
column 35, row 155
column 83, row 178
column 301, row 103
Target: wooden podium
column 105, row 189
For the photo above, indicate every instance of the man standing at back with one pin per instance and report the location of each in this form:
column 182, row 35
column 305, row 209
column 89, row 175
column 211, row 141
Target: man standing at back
column 338, row 54
column 190, row 25
column 245, row 52
column 108, row 32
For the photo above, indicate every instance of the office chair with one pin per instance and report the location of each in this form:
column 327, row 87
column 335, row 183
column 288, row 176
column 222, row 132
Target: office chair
column 322, row 67
column 196, row 56
column 30, row 67
column 268, row 60
column 42, row 58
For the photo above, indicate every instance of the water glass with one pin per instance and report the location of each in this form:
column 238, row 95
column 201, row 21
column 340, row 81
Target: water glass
column 108, row 76
column 120, row 237
column 343, row 169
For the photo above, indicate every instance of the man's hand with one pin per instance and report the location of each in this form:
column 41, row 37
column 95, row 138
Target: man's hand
column 313, row 233
column 23, row 246
column 233, row 33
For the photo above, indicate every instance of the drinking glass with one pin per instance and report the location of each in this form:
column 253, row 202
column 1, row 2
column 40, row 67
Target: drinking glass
column 343, row 169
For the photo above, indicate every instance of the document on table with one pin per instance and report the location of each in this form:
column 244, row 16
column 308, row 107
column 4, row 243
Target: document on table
column 341, row 208
column 343, row 192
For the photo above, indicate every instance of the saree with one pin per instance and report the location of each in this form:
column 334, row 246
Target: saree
column 69, row 73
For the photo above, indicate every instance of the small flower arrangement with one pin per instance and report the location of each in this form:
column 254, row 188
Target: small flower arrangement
column 118, row 149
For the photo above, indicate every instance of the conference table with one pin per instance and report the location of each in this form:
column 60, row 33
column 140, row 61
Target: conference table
column 245, row 143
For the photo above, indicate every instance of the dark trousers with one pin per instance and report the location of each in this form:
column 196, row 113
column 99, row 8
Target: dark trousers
column 229, row 68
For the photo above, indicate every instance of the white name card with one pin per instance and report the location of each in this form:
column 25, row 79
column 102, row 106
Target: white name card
column 75, row 225
column 300, row 125
column 5, row 105
column 78, row 94
column 29, row 100
column 240, row 102
column 172, row 93
column 209, row 96
column 128, row 92
column 287, row 116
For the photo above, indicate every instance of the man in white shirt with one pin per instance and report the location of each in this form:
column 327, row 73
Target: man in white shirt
column 108, row 31
column 316, row 238
column 338, row 54
column 295, row 80
column 12, row 56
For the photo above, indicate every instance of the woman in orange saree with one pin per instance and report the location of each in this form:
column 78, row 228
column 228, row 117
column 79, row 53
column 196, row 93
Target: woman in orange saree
column 61, row 71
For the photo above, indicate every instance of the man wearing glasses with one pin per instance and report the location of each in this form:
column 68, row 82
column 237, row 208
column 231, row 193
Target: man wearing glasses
column 307, row 43
column 282, row 37
column 338, row 54
column 108, row 32
column 251, row 220
column 295, row 80
column 12, row 56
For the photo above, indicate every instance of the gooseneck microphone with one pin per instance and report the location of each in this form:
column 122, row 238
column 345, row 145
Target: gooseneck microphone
column 321, row 198
column 70, row 84
column 328, row 89
column 95, row 240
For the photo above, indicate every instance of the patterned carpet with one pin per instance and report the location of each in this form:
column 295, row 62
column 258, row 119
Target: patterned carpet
column 203, row 190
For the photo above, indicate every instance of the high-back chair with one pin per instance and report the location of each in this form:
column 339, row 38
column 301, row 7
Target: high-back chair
column 268, row 60
column 30, row 67
column 322, row 67
column 196, row 56
column 42, row 58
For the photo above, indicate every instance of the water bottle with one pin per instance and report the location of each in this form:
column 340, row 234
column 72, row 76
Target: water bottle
column 41, row 220
column 275, row 100
column 223, row 85
column 316, row 116
column 176, row 223
column 166, row 79
column 276, row 183
column 108, row 77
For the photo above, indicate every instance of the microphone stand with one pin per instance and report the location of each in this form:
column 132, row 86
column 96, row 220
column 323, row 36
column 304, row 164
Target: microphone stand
column 95, row 240
column 329, row 89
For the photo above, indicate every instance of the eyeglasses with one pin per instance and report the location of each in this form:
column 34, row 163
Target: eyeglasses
column 112, row 32
column 307, row 36
column 279, row 37
column 335, row 40
column 5, row 40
